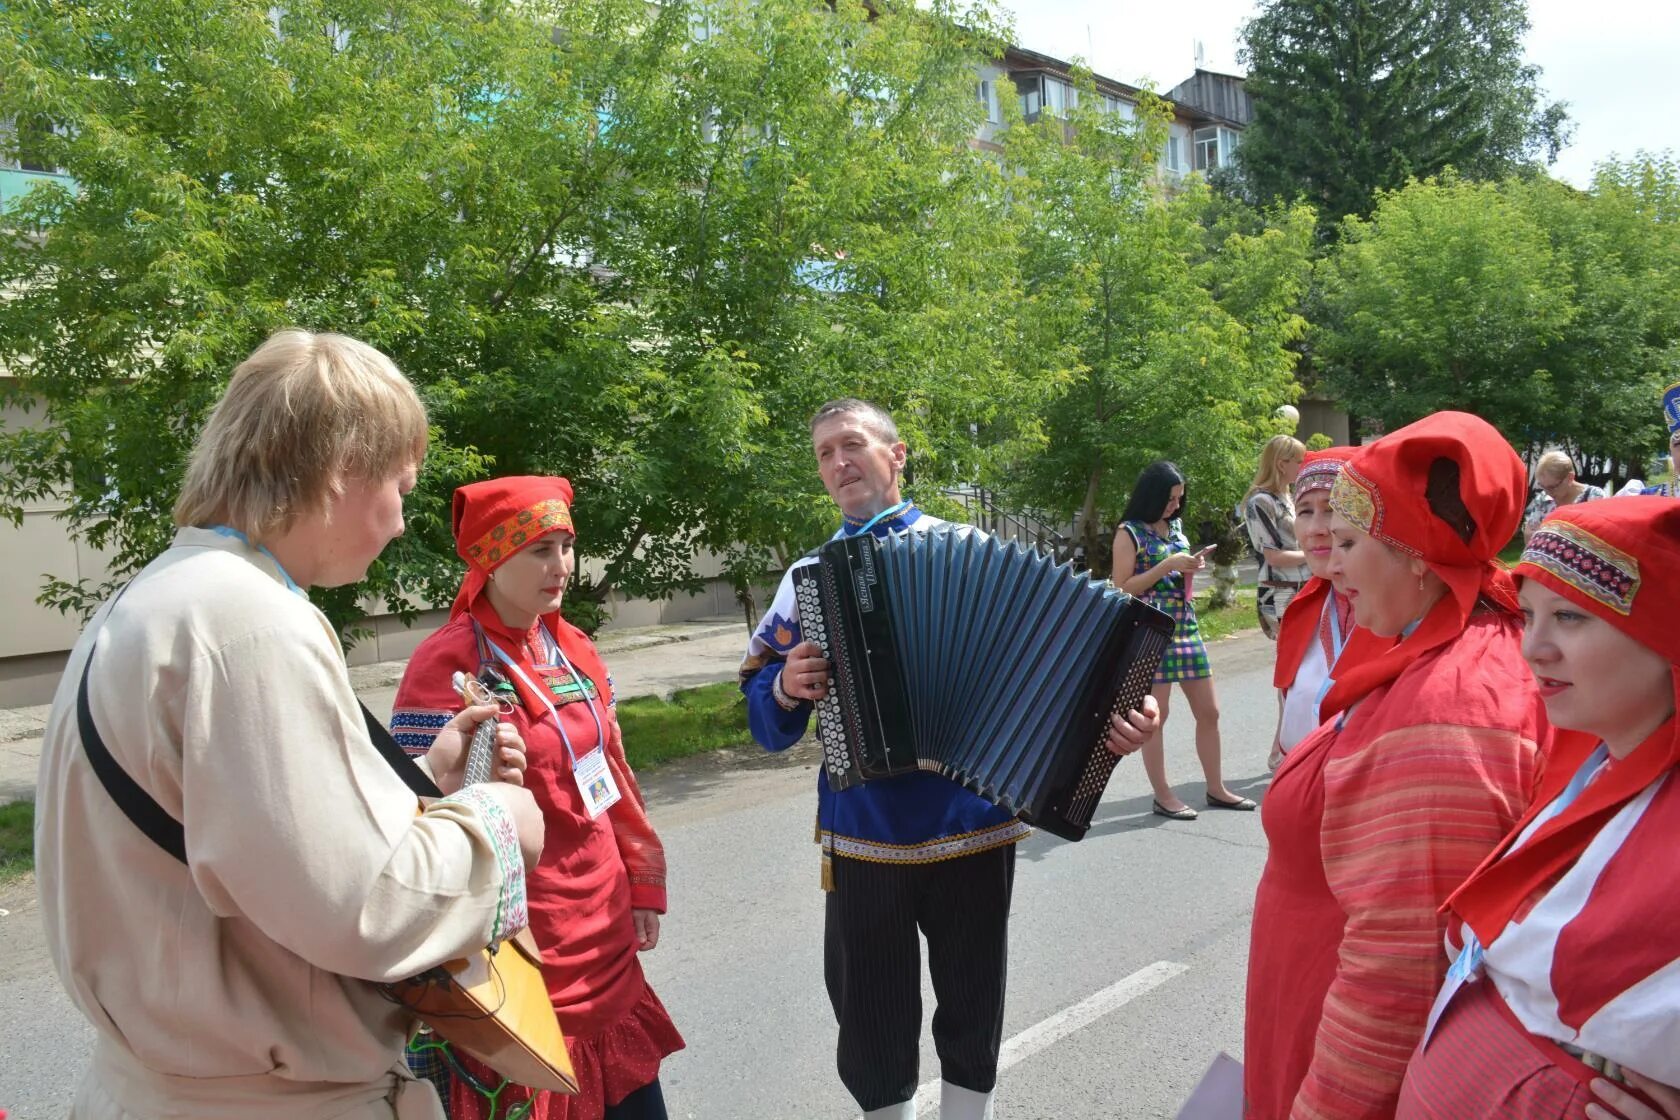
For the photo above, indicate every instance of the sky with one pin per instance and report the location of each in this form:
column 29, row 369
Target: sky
column 1608, row 59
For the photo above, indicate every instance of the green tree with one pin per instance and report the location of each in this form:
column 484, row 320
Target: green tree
column 1168, row 337
column 1552, row 312
column 632, row 245
column 1356, row 96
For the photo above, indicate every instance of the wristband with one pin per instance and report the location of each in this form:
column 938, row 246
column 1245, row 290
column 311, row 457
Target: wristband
column 783, row 700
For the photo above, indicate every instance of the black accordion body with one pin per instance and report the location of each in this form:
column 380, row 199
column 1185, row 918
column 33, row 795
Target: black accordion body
column 983, row 661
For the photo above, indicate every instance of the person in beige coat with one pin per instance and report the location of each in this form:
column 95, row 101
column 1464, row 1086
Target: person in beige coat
column 244, row 981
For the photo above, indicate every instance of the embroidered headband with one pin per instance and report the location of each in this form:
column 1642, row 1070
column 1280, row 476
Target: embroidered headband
column 1611, row 557
column 1320, row 469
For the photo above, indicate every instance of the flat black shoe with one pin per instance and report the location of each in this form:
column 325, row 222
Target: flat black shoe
column 1184, row 814
column 1241, row 804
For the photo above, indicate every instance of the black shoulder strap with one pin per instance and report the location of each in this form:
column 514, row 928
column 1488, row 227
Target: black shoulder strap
column 164, row 830
column 148, row 816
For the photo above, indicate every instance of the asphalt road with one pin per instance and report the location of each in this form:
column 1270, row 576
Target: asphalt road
column 1127, row 954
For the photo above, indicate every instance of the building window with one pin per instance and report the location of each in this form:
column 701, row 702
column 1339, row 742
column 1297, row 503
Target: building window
column 32, row 134
column 1173, row 163
column 1206, row 149
column 1028, row 86
column 989, row 98
column 1059, row 97
column 1113, row 104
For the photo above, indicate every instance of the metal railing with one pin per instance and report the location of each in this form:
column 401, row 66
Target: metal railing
column 981, row 510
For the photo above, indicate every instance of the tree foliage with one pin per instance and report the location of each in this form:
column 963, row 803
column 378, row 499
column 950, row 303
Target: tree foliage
column 1165, row 324
column 1549, row 311
column 1356, row 96
column 632, row 245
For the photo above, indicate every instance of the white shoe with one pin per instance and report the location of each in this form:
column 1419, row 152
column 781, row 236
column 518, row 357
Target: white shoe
column 903, row 1111
column 957, row 1103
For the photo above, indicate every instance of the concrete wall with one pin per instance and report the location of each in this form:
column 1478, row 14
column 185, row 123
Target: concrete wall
column 1320, row 415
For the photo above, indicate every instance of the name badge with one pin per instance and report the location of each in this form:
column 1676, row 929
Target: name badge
column 595, row 783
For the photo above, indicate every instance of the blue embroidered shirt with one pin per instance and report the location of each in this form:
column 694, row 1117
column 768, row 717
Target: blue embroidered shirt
column 911, row 818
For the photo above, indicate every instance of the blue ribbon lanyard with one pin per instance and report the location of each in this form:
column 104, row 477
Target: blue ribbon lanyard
column 551, row 649
column 1337, row 638
column 238, row 535
column 1469, row 960
column 890, row 511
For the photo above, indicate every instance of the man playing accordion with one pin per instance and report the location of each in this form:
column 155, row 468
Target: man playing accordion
column 913, row 852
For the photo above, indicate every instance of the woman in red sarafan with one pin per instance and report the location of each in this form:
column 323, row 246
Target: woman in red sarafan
column 1425, row 759
column 1566, row 975
column 596, row 894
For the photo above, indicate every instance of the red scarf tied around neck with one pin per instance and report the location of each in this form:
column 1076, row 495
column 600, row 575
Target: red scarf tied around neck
column 493, row 520
column 1615, row 559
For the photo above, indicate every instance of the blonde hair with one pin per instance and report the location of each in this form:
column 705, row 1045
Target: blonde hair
column 1268, row 476
column 1554, row 461
column 302, row 413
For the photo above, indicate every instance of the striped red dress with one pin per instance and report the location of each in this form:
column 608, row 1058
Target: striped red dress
column 1371, row 823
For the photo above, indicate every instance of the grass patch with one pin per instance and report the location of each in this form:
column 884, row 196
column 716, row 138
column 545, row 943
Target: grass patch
column 692, row 721
column 1225, row 621
column 17, row 840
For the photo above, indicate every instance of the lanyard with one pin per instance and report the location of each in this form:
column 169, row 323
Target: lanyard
column 890, row 511
column 551, row 648
column 1471, row 958
column 230, row 531
column 1337, row 641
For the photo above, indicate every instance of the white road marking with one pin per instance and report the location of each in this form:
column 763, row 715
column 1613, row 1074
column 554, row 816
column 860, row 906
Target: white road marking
column 1047, row 1032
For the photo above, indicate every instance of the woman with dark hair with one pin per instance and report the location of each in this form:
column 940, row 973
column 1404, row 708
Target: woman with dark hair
column 1151, row 546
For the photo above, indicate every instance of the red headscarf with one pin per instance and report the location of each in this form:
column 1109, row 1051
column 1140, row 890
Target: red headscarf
column 1448, row 490
column 1615, row 559
column 492, row 520
column 1319, row 471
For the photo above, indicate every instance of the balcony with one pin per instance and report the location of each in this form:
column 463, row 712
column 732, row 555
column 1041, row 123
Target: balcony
column 15, row 183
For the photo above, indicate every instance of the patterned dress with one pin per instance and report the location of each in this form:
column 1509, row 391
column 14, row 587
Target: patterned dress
column 1186, row 659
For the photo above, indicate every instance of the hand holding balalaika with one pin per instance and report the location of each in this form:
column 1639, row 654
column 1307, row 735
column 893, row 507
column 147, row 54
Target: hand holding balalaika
column 989, row 663
column 481, row 751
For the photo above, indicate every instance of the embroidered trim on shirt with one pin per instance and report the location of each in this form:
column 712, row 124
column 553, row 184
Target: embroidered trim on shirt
column 512, row 914
column 415, row 729
column 1592, row 566
column 928, row 851
column 525, row 526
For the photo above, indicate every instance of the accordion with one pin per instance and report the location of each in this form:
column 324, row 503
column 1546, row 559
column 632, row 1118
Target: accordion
column 986, row 662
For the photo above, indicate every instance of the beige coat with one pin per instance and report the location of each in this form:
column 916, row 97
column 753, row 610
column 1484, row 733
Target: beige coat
column 240, row 984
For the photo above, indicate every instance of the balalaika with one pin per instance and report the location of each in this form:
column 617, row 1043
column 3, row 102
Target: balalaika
column 986, row 662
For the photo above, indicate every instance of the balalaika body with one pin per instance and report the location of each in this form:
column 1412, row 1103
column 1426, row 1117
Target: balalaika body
column 984, row 661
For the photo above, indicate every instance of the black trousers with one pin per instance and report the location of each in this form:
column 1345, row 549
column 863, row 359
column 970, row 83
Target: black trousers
column 873, row 965
column 646, row 1103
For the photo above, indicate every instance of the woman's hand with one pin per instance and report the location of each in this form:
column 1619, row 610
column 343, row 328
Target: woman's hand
column 1126, row 733
column 647, row 928
column 447, row 758
column 1627, row 1107
column 1188, row 561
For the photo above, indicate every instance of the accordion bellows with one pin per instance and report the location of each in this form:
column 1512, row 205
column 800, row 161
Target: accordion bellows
column 983, row 661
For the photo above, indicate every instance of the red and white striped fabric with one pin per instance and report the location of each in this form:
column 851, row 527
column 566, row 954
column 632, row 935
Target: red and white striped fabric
column 1594, row 961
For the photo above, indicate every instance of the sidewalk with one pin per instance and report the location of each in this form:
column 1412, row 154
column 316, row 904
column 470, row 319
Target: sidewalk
column 644, row 661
